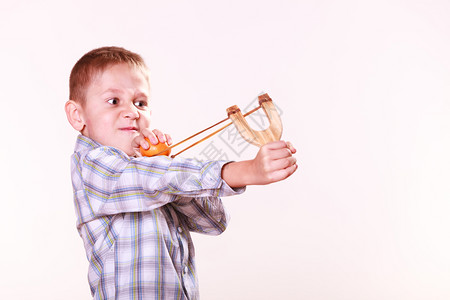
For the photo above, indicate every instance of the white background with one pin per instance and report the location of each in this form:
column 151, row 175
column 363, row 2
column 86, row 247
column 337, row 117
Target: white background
column 364, row 87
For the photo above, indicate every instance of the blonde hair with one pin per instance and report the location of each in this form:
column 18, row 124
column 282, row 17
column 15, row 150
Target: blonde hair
column 95, row 62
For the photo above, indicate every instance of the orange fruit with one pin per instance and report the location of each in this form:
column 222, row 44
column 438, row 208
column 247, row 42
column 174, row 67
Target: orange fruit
column 155, row 149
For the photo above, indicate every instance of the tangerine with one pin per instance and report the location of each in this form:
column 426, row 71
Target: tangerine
column 155, row 149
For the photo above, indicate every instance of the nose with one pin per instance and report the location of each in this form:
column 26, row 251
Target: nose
column 130, row 112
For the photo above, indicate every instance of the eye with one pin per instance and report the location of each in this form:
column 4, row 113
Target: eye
column 113, row 101
column 140, row 103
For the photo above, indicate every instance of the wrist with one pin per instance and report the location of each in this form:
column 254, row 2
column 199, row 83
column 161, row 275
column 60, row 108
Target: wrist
column 238, row 174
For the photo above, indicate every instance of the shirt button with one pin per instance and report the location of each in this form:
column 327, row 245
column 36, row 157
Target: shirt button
column 180, row 230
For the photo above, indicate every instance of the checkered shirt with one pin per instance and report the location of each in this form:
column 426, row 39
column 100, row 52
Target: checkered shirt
column 135, row 215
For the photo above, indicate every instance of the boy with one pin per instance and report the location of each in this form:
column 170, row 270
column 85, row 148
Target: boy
column 135, row 213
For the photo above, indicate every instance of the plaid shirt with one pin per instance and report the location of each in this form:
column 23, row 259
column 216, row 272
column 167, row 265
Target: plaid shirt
column 135, row 214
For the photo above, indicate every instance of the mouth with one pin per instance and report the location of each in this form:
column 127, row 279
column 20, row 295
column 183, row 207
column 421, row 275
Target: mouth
column 129, row 129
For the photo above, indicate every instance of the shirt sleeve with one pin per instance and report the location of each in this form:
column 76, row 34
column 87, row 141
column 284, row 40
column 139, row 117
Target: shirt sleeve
column 107, row 181
column 205, row 215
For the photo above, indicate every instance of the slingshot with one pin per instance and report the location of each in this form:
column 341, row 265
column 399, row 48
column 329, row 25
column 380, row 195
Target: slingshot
column 255, row 137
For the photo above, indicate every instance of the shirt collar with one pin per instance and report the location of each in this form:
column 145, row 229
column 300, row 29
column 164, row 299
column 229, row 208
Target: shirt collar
column 84, row 143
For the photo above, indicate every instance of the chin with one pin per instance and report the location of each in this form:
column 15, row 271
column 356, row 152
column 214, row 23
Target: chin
column 129, row 152
column 125, row 148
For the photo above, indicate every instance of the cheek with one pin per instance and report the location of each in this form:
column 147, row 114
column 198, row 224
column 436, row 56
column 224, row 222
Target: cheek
column 94, row 124
column 144, row 119
column 98, row 125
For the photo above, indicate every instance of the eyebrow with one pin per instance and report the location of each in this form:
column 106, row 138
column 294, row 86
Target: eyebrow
column 141, row 94
column 118, row 91
column 112, row 90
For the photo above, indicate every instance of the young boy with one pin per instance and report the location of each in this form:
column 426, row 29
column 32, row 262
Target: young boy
column 135, row 213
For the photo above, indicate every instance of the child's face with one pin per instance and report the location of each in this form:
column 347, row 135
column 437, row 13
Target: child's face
column 116, row 107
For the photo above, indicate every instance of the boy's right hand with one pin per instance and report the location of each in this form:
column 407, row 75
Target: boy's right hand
column 155, row 136
column 274, row 162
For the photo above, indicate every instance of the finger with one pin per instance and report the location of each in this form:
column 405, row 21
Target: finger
column 280, row 153
column 144, row 144
column 291, row 147
column 151, row 136
column 137, row 152
column 284, row 173
column 159, row 135
column 283, row 163
column 275, row 145
column 280, row 144
column 289, row 171
column 139, row 141
column 134, row 143
column 168, row 139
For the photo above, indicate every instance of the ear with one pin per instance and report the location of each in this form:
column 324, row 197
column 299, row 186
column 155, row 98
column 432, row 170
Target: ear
column 74, row 115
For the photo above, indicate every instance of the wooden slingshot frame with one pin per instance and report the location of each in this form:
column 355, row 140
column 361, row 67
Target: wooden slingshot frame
column 255, row 137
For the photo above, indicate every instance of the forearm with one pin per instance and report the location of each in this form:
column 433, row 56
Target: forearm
column 238, row 174
column 116, row 183
column 204, row 215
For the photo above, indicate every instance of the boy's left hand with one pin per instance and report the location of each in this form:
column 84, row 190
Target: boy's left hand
column 155, row 137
